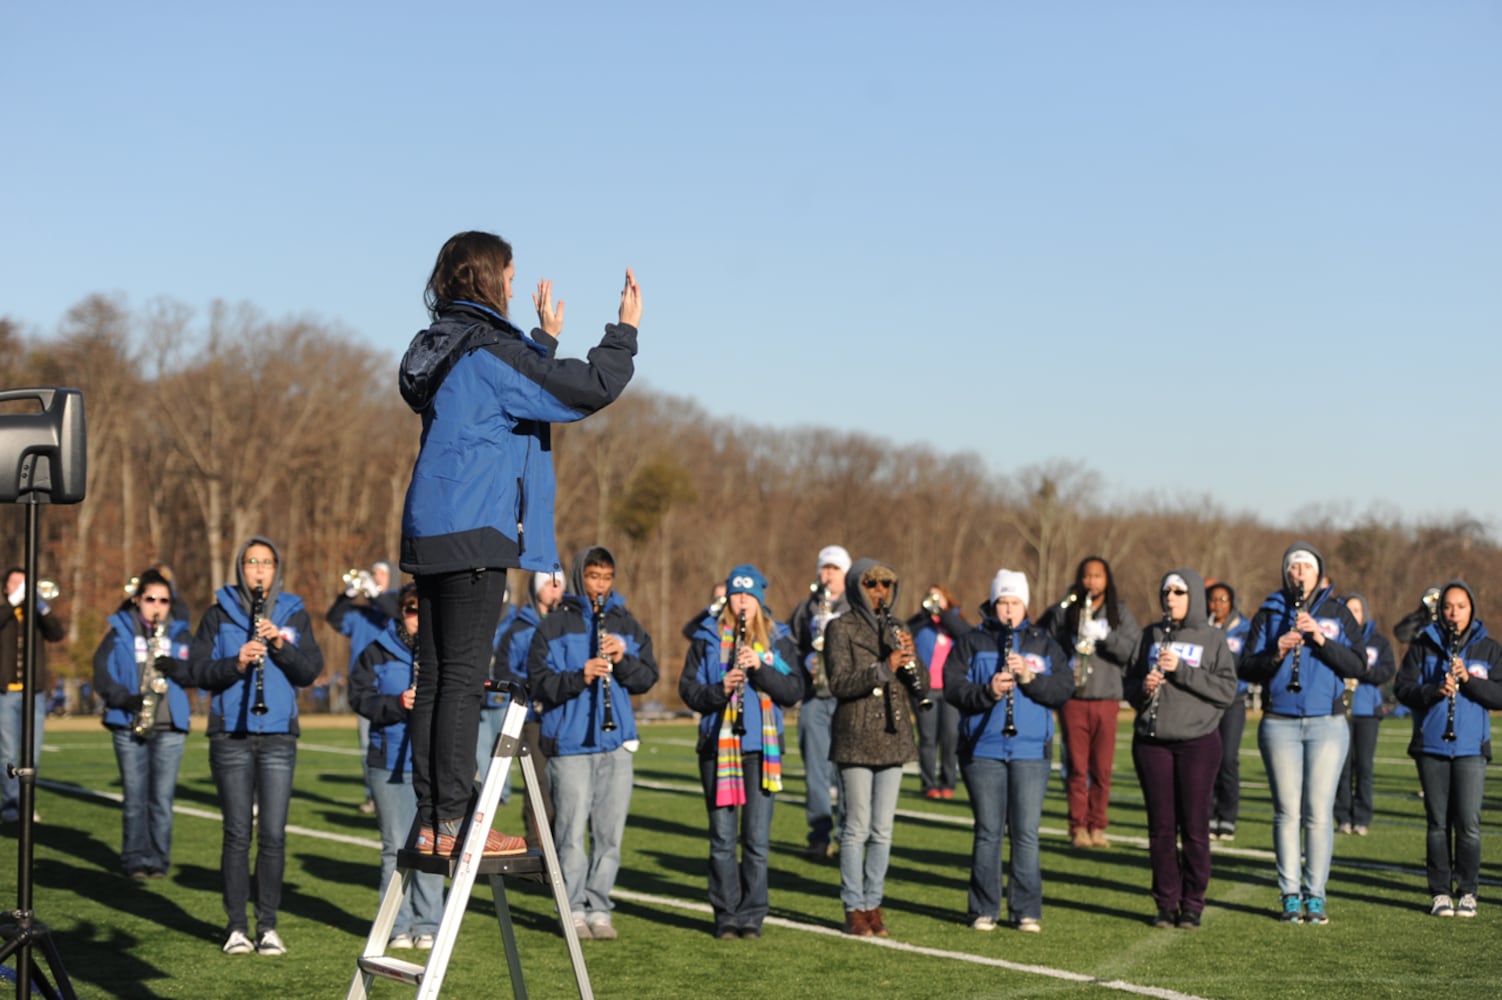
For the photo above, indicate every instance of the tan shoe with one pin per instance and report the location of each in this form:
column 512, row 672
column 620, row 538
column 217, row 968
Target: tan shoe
column 1098, row 839
column 1081, row 838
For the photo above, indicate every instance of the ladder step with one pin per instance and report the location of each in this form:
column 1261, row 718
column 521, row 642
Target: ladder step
column 528, row 866
column 396, row 969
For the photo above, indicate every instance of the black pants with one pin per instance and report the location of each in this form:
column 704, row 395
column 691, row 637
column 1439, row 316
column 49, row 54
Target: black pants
column 1226, row 798
column 1353, row 796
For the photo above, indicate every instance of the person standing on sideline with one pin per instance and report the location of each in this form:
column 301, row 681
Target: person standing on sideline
column 1450, row 681
column 934, row 629
column 826, row 602
column 12, row 659
column 147, row 714
column 1354, row 803
column 253, row 663
column 1181, row 680
column 1302, row 645
column 1225, row 803
column 586, row 661
column 481, row 496
column 1008, row 677
column 741, row 672
column 1092, row 621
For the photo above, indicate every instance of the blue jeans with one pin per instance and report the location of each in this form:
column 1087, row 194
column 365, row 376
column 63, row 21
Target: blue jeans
column 362, row 726
column 815, row 728
column 1452, row 804
column 1303, row 758
column 868, row 806
column 254, row 770
column 148, row 777
column 738, row 891
column 10, row 745
column 1006, row 796
column 591, row 792
column 396, row 808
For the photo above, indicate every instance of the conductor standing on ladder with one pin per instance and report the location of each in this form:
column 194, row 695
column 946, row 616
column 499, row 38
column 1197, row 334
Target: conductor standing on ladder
column 481, row 496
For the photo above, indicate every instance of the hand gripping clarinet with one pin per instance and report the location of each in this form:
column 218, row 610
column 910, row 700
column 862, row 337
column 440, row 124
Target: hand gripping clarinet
column 1004, row 643
column 738, row 700
column 1150, row 713
column 1452, row 648
column 257, row 613
column 607, row 724
column 1294, row 686
column 893, row 634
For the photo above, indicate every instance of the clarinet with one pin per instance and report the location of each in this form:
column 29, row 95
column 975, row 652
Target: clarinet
column 1150, row 713
column 1004, row 649
column 607, row 724
column 1453, row 648
column 738, row 700
column 257, row 612
column 907, row 674
column 1294, row 686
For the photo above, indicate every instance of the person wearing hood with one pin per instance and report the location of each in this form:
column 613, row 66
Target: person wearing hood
column 481, row 496
column 1450, row 679
column 1092, row 621
column 1354, row 806
column 382, row 690
column 1180, row 682
column 740, row 673
column 828, row 599
column 544, row 591
column 586, row 661
column 254, row 665
column 1225, row 801
column 872, row 736
column 1006, row 677
column 1302, row 645
column 149, row 750
column 934, row 629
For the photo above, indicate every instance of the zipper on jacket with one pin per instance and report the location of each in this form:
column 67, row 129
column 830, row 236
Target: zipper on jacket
column 521, row 516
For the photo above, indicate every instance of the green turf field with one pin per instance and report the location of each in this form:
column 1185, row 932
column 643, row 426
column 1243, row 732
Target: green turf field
column 161, row 939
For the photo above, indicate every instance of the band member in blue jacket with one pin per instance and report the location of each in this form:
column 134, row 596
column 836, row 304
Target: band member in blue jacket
column 1007, row 677
column 510, row 664
column 1225, row 804
column 481, row 496
column 587, row 659
column 148, row 715
column 254, row 665
column 381, row 689
column 1450, row 679
column 1302, row 645
column 739, row 682
column 1354, row 805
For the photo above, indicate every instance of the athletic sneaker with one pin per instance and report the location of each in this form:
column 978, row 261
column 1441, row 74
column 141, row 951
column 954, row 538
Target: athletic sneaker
column 983, row 924
column 238, row 944
column 270, row 943
column 1293, row 910
column 581, row 928
column 1031, row 925
column 400, row 942
column 1189, row 921
column 1163, row 920
column 423, row 942
column 1466, row 906
column 1443, row 906
column 1314, row 910
column 599, row 927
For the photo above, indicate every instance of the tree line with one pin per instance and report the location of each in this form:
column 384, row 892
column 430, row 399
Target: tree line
column 205, row 429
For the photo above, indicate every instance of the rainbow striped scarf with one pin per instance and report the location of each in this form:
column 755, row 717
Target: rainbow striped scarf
column 730, row 778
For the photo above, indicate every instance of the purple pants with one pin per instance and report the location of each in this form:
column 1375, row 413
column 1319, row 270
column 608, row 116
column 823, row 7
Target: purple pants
column 1177, row 780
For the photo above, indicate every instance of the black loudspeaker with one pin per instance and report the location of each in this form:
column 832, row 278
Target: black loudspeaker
column 43, row 458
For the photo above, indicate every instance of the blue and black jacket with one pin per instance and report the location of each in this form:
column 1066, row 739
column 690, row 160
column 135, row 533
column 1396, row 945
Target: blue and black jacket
column 1366, row 700
column 214, row 658
column 382, row 672
column 361, row 620
column 972, row 663
column 117, row 669
column 1422, row 677
column 511, row 649
column 702, row 685
column 482, row 488
column 1322, row 668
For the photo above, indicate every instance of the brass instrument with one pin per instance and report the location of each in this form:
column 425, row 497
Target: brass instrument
column 132, row 586
column 738, row 700
column 932, row 604
column 1003, row 651
column 1084, row 638
column 1150, row 713
column 909, row 673
column 47, row 590
column 153, row 684
column 820, row 622
column 607, row 724
column 257, row 613
column 1294, row 686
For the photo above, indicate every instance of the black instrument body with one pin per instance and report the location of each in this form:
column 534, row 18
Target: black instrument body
column 739, row 698
column 892, row 632
column 1003, row 650
column 1298, row 606
column 257, row 613
column 1452, row 647
column 607, row 724
column 1150, row 713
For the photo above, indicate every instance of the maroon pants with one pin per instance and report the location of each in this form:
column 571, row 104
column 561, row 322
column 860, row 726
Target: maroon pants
column 1177, row 781
column 1090, row 742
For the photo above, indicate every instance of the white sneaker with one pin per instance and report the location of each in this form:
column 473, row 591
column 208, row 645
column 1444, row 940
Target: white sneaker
column 400, row 942
column 423, row 942
column 581, row 928
column 983, row 924
column 599, row 927
column 1031, row 925
column 1444, row 906
column 1466, row 905
column 270, row 943
column 238, row 944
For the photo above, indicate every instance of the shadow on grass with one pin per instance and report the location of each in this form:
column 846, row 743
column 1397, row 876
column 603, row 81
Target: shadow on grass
column 105, row 958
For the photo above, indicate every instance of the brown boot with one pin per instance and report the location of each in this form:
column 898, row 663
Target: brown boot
column 1098, row 839
column 873, row 920
column 856, row 924
column 1081, row 838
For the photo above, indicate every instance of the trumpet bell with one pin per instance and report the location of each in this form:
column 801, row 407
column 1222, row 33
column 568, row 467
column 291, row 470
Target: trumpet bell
column 47, row 590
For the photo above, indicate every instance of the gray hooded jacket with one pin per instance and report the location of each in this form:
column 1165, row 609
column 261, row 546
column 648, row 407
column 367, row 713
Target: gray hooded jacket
column 1191, row 700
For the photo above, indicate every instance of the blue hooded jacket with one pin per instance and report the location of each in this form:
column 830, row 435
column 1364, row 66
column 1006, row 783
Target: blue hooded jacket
column 967, row 686
column 117, row 672
column 702, row 687
column 382, row 671
column 1422, row 676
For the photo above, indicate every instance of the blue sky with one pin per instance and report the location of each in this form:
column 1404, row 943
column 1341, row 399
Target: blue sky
column 1248, row 251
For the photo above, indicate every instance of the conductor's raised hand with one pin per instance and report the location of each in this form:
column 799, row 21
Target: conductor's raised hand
column 631, row 301
column 549, row 317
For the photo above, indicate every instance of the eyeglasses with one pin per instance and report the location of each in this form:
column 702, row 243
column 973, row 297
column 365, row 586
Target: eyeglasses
column 410, row 609
column 156, row 600
column 259, row 562
column 873, row 584
column 1176, row 592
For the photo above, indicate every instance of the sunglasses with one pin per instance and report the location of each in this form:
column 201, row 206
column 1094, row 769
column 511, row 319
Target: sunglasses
column 156, row 600
column 1176, row 591
column 410, row 609
column 873, row 584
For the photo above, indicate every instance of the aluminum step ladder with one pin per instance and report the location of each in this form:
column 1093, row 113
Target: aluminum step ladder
column 536, row 865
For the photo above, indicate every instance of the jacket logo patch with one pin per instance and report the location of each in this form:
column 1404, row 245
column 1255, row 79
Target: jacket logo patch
column 1479, row 668
column 1328, row 627
column 289, row 634
column 1234, row 643
column 1189, row 653
column 1037, row 664
column 1371, row 656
